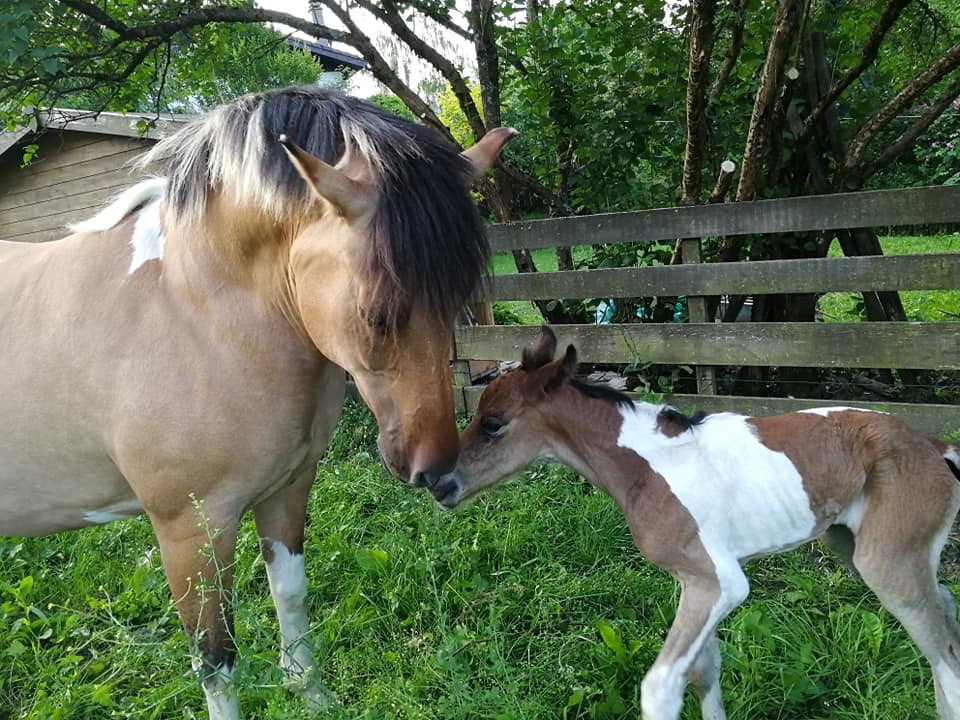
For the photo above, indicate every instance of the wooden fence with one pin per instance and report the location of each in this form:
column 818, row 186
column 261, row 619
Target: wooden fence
column 702, row 342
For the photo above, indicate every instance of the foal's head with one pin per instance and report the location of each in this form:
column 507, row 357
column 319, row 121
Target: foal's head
column 514, row 419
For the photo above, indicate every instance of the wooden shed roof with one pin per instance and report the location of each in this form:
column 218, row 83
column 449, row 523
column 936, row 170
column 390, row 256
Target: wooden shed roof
column 103, row 123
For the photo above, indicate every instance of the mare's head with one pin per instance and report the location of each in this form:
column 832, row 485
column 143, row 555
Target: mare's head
column 513, row 422
column 381, row 243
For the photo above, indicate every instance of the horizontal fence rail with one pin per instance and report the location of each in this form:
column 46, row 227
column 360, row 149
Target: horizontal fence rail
column 873, row 208
column 915, row 345
column 848, row 274
column 705, row 344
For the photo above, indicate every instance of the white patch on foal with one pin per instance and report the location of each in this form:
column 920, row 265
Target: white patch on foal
column 746, row 499
column 116, row 511
column 147, row 240
column 825, row 411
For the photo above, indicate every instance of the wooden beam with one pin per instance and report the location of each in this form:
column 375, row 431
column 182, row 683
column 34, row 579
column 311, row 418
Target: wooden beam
column 847, row 274
column 874, row 208
column 932, row 345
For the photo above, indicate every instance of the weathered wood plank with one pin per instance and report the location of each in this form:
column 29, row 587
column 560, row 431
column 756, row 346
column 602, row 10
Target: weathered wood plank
column 875, row 208
column 15, row 185
column 51, row 157
column 112, row 123
column 917, row 345
column 74, row 211
column 930, row 420
column 38, row 236
column 70, row 195
column 847, row 274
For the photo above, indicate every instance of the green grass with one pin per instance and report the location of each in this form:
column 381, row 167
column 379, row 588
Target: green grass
column 528, row 604
column 921, row 305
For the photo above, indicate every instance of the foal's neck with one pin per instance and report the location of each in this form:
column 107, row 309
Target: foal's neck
column 587, row 436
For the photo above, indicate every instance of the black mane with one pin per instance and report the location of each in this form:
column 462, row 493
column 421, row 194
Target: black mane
column 427, row 239
column 602, row 392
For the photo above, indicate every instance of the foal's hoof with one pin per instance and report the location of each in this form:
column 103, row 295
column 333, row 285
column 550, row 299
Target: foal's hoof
column 318, row 699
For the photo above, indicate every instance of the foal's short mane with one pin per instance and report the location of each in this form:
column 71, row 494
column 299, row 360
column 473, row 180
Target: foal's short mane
column 602, row 392
column 427, row 240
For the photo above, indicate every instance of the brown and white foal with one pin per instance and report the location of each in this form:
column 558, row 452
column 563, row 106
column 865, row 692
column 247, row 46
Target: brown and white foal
column 704, row 494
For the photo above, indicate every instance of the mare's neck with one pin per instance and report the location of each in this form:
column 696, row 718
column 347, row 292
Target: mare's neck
column 235, row 256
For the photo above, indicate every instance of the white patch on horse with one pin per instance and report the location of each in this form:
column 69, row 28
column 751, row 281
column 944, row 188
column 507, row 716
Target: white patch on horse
column 825, row 411
column 221, row 695
column 746, row 499
column 122, row 205
column 116, row 511
column 288, row 586
column 147, row 240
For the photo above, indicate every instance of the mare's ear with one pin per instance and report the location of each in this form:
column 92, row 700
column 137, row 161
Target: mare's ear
column 483, row 154
column 541, row 353
column 348, row 197
column 561, row 370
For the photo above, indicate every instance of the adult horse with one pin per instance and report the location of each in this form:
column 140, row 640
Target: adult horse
column 180, row 353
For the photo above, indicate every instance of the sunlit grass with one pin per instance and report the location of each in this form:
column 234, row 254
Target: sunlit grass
column 528, row 604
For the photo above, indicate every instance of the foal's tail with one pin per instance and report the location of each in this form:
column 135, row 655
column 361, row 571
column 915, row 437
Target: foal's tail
column 951, row 454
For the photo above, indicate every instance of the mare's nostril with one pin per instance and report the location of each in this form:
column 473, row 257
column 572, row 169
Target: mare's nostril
column 425, row 479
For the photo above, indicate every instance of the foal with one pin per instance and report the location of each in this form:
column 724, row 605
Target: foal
column 702, row 495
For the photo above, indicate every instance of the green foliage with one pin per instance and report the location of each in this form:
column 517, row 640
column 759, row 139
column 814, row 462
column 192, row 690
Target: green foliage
column 68, row 61
column 529, row 603
column 598, row 106
column 226, row 61
column 393, row 104
column 452, row 116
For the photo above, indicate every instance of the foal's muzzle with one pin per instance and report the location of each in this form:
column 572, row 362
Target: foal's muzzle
column 446, row 490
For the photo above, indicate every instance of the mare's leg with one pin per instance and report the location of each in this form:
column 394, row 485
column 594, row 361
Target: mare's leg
column 198, row 552
column 899, row 564
column 704, row 601
column 280, row 525
column 705, row 678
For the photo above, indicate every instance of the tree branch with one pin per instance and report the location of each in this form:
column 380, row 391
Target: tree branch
column 384, row 73
column 870, row 49
column 701, row 46
column 389, row 13
column 910, row 135
column 764, row 103
column 438, row 17
column 203, row 16
column 733, row 49
column 935, row 72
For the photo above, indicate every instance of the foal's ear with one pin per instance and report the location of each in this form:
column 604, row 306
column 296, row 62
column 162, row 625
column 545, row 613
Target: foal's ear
column 348, row 197
column 483, row 154
column 562, row 370
column 541, row 353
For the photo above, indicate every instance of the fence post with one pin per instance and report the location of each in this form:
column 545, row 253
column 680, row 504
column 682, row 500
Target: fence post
column 698, row 309
column 460, row 374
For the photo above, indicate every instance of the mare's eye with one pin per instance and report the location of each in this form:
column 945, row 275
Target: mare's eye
column 377, row 319
column 493, row 426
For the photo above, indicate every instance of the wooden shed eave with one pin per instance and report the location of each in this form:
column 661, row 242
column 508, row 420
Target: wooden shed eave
column 104, row 123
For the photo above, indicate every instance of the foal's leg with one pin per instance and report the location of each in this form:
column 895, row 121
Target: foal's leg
column 902, row 573
column 280, row 525
column 198, row 553
column 704, row 601
column 705, row 678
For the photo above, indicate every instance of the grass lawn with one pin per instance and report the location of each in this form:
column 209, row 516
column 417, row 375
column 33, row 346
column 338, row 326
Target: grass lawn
column 528, row 604
column 919, row 305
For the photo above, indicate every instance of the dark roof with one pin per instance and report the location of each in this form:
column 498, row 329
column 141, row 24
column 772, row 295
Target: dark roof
column 330, row 58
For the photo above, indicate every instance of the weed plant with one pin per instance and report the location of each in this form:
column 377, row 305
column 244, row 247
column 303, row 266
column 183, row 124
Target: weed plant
column 531, row 603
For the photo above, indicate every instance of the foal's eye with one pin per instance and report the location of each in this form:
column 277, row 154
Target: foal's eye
column 493, row 426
